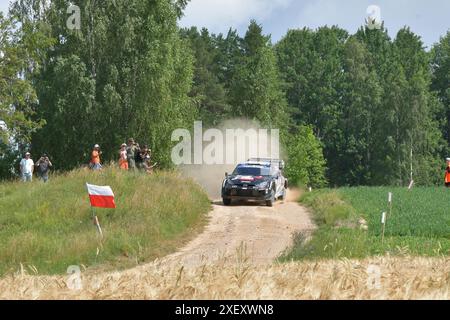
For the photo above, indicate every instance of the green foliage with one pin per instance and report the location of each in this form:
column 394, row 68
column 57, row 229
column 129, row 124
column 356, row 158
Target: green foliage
column 207, row 89
column 369, row 101
column 440, row 64
column 306, row 165
column 378, row 106
column 255, row 91
column 419, row 223
column 49, row 226
column 18, row 100
column 329, row 208
column 126, row 73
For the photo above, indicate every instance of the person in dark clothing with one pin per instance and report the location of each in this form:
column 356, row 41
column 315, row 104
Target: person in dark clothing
column 132, row 150
column 142, row 158
column 43, row 166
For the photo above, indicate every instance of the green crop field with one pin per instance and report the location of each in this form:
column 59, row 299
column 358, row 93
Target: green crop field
column 48, row 227
column 418, row 225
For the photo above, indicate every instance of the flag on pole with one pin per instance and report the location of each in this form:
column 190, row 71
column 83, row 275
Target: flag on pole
column 101, row 197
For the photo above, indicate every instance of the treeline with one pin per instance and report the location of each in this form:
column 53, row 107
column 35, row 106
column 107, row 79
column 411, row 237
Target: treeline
column 379, row 106
column 353, row 109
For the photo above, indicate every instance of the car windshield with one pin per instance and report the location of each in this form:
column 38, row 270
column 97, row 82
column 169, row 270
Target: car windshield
column 252, row 171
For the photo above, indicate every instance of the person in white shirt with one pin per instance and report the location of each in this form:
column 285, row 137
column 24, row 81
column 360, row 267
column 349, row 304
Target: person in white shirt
column 27, row 168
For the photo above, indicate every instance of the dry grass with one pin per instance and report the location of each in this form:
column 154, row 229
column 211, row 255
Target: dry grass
column 401, row 278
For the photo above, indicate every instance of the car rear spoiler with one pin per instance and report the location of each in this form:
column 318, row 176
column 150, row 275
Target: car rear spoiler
column 269, row 160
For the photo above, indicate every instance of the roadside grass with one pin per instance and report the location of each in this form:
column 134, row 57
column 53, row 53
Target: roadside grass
column 48, row 227
column 349, row 223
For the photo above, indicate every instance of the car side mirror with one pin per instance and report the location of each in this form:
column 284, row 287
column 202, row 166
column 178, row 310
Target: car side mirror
column 226, row 174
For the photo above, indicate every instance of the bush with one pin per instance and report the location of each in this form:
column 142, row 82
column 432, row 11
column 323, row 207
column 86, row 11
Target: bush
column 306, row 164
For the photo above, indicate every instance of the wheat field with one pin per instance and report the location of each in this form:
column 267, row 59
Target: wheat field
column 400, row 278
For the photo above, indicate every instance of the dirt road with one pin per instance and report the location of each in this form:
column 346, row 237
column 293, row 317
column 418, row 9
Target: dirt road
column 246, row 231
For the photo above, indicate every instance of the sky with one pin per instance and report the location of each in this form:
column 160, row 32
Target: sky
column 428, row 18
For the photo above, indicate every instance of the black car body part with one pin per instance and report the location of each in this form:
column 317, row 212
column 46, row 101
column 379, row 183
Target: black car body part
column 255, row 180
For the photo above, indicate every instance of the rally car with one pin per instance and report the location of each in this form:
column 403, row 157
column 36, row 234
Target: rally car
column 255, row 180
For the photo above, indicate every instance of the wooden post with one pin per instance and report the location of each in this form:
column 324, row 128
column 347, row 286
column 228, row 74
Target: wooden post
column 383, row 223
column 390, row 203
column 97, row 223
column 411, row 163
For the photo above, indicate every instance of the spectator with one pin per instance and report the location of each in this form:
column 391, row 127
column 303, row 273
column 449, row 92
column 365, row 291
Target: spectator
column 123, row 162
column 27, row 168
column 142, row 158
column 43, row 167
column 132, row 150
column 95, row 163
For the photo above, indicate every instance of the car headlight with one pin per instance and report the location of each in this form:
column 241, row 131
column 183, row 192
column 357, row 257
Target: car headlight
column 225, row 183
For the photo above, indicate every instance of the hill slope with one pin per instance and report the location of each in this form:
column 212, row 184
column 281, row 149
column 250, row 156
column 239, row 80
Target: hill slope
column 49, row 227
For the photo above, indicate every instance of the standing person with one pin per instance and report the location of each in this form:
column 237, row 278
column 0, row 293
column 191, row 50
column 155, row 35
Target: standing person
column 150, row 166
column 131, row 154
column 43, row 167
column 141, row 158
column 447, row 174
column 123, row 161
column 27, row 168
column 95, row 163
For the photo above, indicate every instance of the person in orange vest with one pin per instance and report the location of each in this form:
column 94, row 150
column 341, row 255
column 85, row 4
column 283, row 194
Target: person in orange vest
column 95, row 163
column 123, row 161
column 447, row 174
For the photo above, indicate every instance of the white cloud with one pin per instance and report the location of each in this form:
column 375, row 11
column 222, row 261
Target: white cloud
column 427, row 18
column 4, row 4
column 220, row 15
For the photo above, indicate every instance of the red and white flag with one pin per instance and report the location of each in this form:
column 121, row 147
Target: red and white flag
column 101, row 197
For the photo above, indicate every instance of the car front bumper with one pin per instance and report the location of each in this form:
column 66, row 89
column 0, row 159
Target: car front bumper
column 246, row 194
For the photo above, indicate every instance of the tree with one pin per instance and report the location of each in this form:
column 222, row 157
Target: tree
column 310, row 65
column 312, row 70
column 417, row 131
column 361, row 98
column 440, row 65
column 207, row 89
column 228, row 57
column 256, row 91
column 19, row 63
column 126, row 73
column 306, row 164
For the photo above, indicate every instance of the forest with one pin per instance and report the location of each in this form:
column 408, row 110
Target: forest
column 353, row 109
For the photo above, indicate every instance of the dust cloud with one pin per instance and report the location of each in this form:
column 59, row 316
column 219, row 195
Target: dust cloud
column 259, row 142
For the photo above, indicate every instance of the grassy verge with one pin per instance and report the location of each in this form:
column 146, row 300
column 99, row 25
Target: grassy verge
column 349, row 223
column 48, row 227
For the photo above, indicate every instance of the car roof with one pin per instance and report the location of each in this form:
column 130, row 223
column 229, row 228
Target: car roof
column 255, row 164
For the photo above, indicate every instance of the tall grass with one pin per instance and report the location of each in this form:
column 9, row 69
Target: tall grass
column 49, row 226
column 419, row 223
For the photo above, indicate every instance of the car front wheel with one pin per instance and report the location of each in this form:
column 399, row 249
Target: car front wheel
column 271, row 201
column 226, row 202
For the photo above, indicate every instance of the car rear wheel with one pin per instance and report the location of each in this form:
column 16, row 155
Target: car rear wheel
column 283, row 195
column 226, row 202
